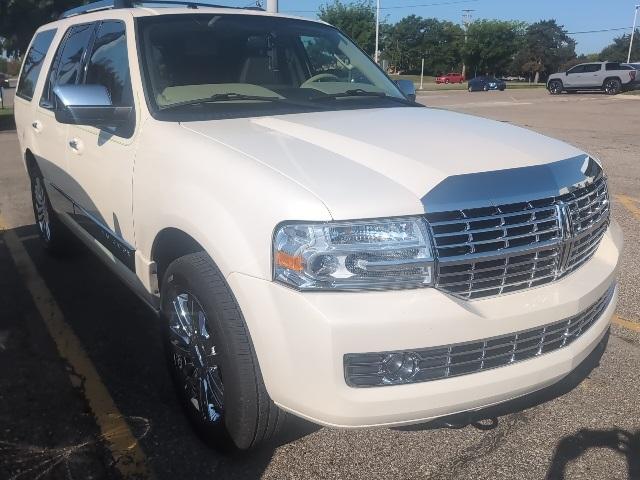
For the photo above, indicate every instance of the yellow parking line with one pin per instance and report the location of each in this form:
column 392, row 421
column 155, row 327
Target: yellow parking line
column 129, row 457
column 635, row 326
column 630, row 204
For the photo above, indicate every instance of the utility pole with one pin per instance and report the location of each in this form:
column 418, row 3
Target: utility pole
column 375, row 55
column 272, row 6
column 467, row 17
column 422, row 74
column 633, row 32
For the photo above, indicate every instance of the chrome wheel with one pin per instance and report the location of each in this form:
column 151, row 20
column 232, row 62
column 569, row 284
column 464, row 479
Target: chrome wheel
column 195, row 358
column 42, row 209
column 555, row 87
column 612, row 86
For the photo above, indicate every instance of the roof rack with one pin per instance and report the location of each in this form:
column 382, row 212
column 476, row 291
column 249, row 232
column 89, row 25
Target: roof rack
column 115, row 4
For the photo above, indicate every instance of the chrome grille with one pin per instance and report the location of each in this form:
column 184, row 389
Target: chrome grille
column 372, row 369
column 588, row 213
column 489, row 251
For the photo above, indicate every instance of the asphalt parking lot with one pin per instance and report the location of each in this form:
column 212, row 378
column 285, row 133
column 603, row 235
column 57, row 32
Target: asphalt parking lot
column 52, row 427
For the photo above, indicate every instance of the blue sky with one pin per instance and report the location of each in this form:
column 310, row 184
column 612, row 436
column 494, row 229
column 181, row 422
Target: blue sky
column 575, row 15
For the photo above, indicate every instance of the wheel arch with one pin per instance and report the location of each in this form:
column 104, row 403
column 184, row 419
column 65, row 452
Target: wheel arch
column 170, row 244
column 611, row 77
column 30, row 162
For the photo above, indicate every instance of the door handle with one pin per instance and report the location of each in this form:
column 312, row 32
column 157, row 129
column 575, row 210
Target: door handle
column 37, row 126
column 75, row 145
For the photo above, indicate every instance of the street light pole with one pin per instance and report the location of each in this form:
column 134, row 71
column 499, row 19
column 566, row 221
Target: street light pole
column 375, row 55
column 633, row 32
column 272, row 6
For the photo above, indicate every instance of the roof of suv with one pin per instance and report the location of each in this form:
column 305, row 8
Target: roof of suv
column 145, row 11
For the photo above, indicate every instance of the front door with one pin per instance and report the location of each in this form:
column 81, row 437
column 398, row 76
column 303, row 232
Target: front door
column 573, row 77
column 101, row 160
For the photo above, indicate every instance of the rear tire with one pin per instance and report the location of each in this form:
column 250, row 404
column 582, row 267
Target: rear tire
column 211, row 357
column 54, row 235
column 555, row 87
column 612, row 86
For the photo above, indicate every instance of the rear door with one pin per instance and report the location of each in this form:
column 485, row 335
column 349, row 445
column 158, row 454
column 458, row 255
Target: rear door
column 592, row 76
column 52, row 137
column 101, row 160
column 31, row 131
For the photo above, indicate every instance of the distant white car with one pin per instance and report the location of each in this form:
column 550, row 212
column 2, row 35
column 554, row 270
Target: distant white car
column 610, row 77
column 310, row 239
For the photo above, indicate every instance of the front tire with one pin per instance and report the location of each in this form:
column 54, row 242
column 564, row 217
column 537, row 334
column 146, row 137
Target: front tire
column 211, row 357
column 612, row 86
column 555, row 87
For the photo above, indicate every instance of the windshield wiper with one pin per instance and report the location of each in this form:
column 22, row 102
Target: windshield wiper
column 359, row 92
column 229, row 97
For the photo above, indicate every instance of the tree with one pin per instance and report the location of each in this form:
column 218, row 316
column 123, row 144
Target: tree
column 413, row 38
column 545, row 48
column 492, row 45
column 19, row 19
column 358, row 20
column 618, row 50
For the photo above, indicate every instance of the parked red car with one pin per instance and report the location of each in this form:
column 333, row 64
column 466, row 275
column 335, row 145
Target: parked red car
column 450, row 78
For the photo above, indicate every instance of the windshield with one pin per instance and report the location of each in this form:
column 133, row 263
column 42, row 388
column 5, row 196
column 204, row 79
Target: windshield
column 252, row 64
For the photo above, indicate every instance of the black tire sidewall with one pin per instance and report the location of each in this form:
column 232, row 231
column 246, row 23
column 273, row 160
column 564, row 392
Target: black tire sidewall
column 236, row 428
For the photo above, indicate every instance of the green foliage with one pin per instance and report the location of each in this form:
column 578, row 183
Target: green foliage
column 19, row 19
column 545, row 48
column 492, row 45
column 357, row 20
column 414, row 38
column 619, row 49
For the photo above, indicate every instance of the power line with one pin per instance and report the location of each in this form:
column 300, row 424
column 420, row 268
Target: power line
column 598, row 31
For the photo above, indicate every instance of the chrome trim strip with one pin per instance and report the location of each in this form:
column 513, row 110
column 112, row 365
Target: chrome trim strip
column 513, row 185
column 118, row 246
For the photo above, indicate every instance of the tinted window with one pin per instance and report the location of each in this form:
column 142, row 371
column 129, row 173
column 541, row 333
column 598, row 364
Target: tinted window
column 592, row 67
column 67, row 67
column 577, row 69
column 33, row 64
column 109, row 63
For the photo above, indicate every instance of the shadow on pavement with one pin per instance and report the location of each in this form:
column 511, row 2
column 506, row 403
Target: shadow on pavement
column 573, row 446
column 124, row 341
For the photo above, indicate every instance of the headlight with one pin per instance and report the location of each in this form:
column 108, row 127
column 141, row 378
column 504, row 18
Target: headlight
column 359, row 255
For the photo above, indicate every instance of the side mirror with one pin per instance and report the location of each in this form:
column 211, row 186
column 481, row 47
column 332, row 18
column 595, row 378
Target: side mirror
column 407, row 88
column 566, row 73
column 89, row 105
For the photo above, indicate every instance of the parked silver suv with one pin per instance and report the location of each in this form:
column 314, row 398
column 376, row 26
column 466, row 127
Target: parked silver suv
column 610, row 77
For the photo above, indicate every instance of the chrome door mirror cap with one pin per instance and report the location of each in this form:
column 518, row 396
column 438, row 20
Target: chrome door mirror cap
column 408, row 89
column 89, row 105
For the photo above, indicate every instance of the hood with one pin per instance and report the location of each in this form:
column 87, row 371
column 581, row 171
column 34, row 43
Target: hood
column 380, row 162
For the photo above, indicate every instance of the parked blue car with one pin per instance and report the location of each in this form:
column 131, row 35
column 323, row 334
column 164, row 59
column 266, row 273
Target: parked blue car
column 485, row 83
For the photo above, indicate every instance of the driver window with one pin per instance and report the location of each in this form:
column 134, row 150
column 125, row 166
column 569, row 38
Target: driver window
column 576, row 69
column 327, row 58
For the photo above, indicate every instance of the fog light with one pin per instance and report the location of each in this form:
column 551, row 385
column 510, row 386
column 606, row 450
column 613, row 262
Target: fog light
column 399, row 367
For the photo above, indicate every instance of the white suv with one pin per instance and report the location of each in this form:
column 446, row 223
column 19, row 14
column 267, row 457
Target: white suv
column 308, row 235
column 609, row 77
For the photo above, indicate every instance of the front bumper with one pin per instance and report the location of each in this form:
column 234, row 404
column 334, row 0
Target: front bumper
column 301, row 339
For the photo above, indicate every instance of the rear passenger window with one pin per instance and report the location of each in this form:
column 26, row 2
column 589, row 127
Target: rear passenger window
column 33, row 64
column 67, row 67
column 109, row 63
